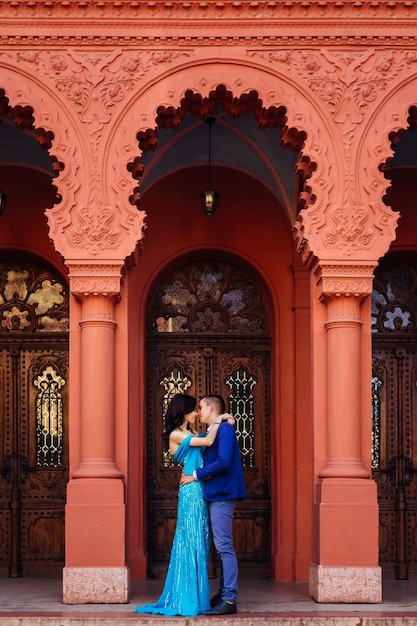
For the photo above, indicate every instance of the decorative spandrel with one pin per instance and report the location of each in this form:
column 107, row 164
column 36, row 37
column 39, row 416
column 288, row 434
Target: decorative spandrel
column 31, row 299
column 49, row 419
column 394, row 298
column 208, row 297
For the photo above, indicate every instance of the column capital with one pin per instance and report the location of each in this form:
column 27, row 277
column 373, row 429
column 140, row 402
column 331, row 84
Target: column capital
column 344, row 279
column 95, row 279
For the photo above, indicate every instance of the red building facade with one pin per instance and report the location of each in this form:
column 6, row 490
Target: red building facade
column 118, row 291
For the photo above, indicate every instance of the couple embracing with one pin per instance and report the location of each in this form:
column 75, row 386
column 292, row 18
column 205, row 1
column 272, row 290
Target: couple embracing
column 210, row 486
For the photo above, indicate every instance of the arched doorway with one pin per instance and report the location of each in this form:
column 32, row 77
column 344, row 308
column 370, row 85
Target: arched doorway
column 254, row 173
column 208, row 330
column 33, row 418
column 394, row 404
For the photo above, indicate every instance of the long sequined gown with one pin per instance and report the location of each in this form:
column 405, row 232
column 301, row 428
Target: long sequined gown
column 187, row 591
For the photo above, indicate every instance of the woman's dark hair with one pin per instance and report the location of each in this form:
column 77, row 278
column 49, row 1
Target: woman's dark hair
column 180, row 405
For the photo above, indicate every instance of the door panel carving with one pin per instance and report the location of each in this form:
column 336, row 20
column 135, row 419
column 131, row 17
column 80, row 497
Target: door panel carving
column 191, row 350
column 32, row 495
column 33, row 414
column 394, row 402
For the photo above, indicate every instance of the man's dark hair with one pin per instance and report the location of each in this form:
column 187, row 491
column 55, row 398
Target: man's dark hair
column 217, row 400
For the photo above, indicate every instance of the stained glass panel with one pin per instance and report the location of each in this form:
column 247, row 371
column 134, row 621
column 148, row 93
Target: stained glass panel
column 49, row 419
column 394, row 298
column 31, row 299
column 208, row 297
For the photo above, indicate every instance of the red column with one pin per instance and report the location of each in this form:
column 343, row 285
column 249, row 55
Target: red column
column 97, row 388
column 344, row 373
column 95, row 516
column 345, row 511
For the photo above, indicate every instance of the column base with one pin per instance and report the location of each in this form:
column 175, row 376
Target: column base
column 351, row 585
column 95, row 585
column 97, row 468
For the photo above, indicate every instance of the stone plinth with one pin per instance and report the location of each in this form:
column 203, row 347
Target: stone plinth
column 345, row 584
column 95, row 585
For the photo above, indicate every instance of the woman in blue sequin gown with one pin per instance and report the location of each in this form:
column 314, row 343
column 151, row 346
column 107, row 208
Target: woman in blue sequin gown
column 187, row 590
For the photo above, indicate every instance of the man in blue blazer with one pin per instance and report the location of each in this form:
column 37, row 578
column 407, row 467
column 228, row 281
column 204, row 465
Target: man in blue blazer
column 224, row 486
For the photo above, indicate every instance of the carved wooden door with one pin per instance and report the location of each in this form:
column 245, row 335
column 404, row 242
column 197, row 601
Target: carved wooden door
column 394, row 403
column 33, row 416
column 208, row 326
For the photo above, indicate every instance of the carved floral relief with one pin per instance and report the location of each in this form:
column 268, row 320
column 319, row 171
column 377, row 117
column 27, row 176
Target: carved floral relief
column 346, row 86
column 96, row 82
column 350, row 85
column 93, row 88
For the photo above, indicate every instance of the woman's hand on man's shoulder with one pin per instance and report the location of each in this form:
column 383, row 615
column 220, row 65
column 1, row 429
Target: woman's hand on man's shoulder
column 227, row 417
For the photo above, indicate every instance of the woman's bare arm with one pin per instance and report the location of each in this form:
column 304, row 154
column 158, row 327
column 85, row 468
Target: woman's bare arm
column 177, row 437
column 207, row 440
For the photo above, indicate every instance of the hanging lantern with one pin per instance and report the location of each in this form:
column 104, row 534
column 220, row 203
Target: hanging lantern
column 3, row 199
column 209, row 196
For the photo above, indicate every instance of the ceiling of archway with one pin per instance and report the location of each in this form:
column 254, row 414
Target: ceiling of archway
column 20, row 147
column 238, row 144
column 405, row 150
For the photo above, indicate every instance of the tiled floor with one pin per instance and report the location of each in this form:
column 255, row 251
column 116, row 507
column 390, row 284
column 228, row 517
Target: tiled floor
column 39, row 601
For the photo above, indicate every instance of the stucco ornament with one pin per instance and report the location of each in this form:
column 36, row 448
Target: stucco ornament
column 350, row 280
column 96, row 82
column 349, row 84
column 96, row 230
column 93, row 86
column 349, row 228
column 337, row 218
column 96, row 279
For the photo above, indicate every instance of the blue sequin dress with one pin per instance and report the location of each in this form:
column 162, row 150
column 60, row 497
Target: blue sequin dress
column 187, row 590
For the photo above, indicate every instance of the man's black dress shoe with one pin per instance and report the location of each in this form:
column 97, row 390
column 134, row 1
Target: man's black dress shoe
column 224, row 608
column 215, row 600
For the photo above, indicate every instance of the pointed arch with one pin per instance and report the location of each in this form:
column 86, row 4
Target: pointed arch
column 221, row 98
column 274, row 100
column 22, row 118
column 37, row 109
column 87, row 220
